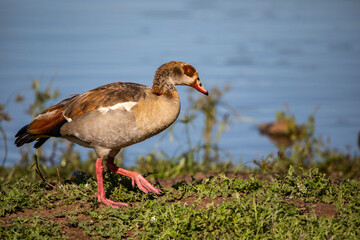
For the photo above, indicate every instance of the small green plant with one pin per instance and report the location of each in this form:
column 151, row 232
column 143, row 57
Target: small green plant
column 41, row 100
column 35, row 228
column 215, row 122
column 4, row 116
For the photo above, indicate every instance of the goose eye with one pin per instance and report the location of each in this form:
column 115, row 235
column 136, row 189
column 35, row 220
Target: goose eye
column 189, row 70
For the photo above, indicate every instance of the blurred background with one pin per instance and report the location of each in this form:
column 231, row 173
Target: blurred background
column 301, row 57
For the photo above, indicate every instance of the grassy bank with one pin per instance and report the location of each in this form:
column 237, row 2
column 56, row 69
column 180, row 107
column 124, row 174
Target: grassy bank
column 297, row 205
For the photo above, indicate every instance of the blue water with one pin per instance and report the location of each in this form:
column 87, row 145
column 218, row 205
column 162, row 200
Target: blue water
column 302, row 53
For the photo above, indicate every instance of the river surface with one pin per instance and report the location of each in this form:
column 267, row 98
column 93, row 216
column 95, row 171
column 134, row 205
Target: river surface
column 305, row 54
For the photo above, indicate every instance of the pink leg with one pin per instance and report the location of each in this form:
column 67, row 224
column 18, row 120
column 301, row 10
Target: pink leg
column 140, row 181
column 100, row 187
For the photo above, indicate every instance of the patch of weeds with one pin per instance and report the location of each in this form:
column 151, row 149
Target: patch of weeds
column 81, row 187
column 310, row 186
column 22, row 194
column 72, row 193
column 109, row 222
column 349, row 217
column 34, row 228
column 246, row 186
column 349, row 190
column 212, row 187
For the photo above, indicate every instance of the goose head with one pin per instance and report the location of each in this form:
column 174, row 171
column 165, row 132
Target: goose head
column 176, row 73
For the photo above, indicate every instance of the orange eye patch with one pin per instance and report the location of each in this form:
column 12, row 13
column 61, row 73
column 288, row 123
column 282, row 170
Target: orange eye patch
column 189, row 70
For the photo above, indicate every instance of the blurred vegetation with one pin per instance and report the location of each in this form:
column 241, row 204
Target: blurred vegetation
column 304, row 148
column 4, row 116
column 309, row 151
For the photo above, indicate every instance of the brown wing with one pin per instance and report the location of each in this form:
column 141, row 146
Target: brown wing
column 48, row 123
column 45, row 125
column 104, row 96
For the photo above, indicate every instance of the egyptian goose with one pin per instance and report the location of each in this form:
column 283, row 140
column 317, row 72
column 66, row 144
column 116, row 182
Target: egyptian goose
column 115, row 116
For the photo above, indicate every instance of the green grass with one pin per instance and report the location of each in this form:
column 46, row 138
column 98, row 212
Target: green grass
column 218, row 207
column 36, row 227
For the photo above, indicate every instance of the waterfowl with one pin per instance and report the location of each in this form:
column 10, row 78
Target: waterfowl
column 115, row 116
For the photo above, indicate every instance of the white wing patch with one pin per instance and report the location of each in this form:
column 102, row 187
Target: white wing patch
column 67, row 118
column 119, row 106
column 43, row 115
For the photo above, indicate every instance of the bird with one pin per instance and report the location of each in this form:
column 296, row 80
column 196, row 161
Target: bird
column 114, row 116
